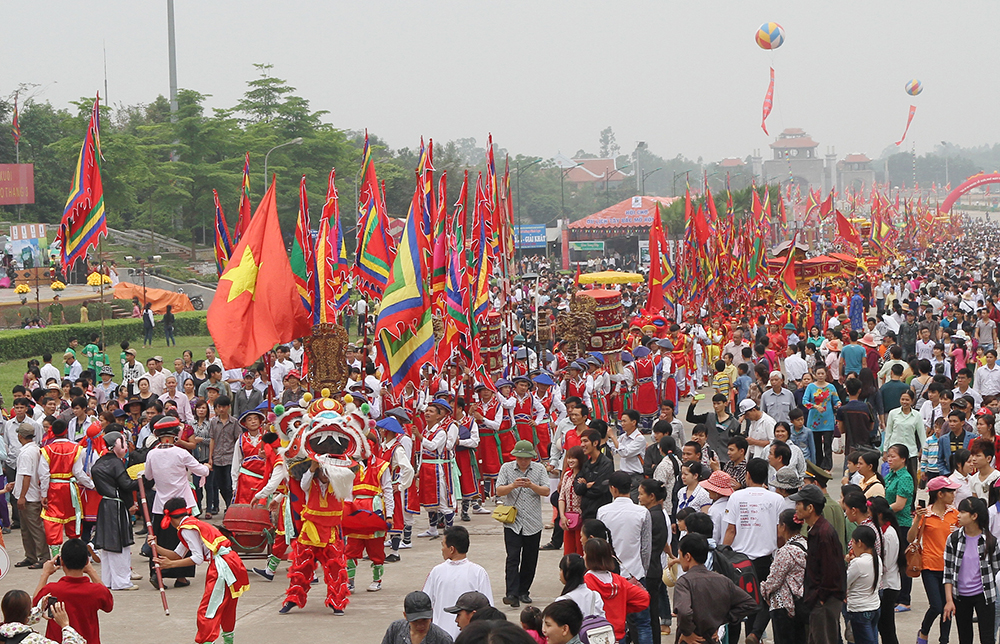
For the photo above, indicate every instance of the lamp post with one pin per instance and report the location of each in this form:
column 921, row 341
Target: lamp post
column 519, row 170
column 296, row 141
column 537, row 278
column 644, row 176
column 607, row 179
column 562, row 187
column 673, row 182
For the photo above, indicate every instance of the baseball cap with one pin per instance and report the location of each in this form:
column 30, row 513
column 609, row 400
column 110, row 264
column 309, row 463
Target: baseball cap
column 417, row 605
column 746, row 405
column 809, row 494
column 472, row 600
column 941, row 483
column 26, row 430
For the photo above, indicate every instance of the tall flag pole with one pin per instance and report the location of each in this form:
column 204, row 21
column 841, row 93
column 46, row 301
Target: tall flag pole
column 223, row 245
column 15, row 126
column 439, row 242
column 332, row 270
column 83, row 221
column 787, row 275
column 404, row 329
column 302, row 260
column 245, row 206
column 375, row 251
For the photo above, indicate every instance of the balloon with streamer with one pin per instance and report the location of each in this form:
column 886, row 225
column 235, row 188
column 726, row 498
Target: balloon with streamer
column 770, row 36
column 914, row 87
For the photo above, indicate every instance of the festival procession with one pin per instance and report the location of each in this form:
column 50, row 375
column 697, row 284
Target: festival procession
column 767, row 414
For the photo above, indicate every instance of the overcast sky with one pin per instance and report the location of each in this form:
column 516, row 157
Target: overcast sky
column 545, row 76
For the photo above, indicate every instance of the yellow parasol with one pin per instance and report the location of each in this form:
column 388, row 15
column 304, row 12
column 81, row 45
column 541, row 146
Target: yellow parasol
column 611, row 277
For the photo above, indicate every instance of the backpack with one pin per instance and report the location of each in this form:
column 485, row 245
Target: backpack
column 596, row 629
column 738, row 568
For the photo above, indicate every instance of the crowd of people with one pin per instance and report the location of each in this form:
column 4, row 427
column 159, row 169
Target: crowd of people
column 885, row 385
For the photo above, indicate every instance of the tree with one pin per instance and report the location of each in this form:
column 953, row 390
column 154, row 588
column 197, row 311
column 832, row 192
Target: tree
column 609, row 146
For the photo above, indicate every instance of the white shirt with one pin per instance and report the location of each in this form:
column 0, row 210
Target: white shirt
column 589, row 601
column 630, row 448
column 157, row 381
column 631, row 530
column 183, row 405
column 13, row 446
column 169, row 468
column 761, row 429
column 295, row 355
column 861, row 596
column 447, row 581
column 925, row 350
column 986, row 380
column 977, row 398
column 48, row 372
column 718, row 513
column 75, row 370
column 27, row 465
column 754, row 511
column 981, row 487
column 795, row 367
column 279, row 370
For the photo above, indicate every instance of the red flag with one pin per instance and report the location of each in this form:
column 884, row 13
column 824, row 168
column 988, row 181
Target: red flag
column 83, row 221
column 661, row 275
column 826, row 207
column 15, row 127
column 913, row 109
column 257, row 304
column 768, row 101
column 847, row 232
column 576, row 279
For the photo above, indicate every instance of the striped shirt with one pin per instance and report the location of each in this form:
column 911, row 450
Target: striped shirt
column 528, row 504
column 989, row 563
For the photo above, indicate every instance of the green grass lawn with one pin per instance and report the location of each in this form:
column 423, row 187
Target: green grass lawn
column 12, row 372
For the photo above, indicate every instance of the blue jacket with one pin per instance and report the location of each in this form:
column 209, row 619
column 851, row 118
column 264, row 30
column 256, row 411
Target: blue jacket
column 944, row 447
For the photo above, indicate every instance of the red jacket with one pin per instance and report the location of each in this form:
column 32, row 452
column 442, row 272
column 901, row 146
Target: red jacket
column 620, row 598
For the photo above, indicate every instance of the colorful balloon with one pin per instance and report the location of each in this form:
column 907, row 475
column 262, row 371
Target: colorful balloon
column 914, row 87
column 770, row 35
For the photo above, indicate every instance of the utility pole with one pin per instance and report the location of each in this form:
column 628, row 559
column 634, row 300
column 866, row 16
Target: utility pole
column 172, row 54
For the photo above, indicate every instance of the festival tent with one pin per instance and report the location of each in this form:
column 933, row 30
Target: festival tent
column 159, row 298
column 627, row 218
column 611, row 277
column 823, row 266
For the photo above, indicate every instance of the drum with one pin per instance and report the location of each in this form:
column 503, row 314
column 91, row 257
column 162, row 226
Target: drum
column 609, row 318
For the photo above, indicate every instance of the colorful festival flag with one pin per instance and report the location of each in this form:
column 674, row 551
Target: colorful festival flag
column 223, row 245
column 257, row 305
column 768, row 102
column 404, row 327
column 375, row 248
column 83, row 221
column 909, row 119
column 848, row 233
column 245, row 206
column 661, row 275
column 302, row 260
column 787, row 274
column 331, row 266
column 15, row 126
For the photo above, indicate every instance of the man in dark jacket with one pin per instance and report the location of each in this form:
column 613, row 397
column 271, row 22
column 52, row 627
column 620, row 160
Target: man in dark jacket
column 825, row 584
column 592, row 484
column 113, row 535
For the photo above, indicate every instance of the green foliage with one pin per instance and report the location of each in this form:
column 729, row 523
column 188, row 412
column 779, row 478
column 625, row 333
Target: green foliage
column 25, row 343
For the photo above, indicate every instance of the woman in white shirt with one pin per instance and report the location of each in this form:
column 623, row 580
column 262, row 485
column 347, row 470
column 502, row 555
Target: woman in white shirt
column 862, row 586
column 885, row 519
column 692, row 495
column 572, row 570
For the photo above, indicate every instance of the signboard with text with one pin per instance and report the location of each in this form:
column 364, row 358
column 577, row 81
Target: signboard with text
column 586, row 245
column 17, row 183
column 529, row 237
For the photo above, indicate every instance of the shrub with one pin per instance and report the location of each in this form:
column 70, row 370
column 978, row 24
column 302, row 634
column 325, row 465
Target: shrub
column 27, row 343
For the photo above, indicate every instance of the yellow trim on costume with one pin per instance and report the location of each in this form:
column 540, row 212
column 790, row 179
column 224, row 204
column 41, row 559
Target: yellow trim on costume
column 318, row 513
column 51, row 519
column 236, row 593
column 61, row 476
column 213, row 546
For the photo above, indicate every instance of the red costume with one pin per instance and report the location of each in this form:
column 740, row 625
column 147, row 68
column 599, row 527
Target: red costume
column 216, row 612
column 490, row 440
column 319, row 542
column 62, row 511
column 250, row 476
column 644, row 399
column 367, row 504
column 543, row 429
column 465, row 459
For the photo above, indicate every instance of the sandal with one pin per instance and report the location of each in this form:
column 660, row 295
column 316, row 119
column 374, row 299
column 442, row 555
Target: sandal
column 921, row 638
column 902, row 608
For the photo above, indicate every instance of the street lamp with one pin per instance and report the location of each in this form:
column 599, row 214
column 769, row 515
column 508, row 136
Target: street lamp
column 644, row 176
column 296, row 141
column 519, row 170
column 673, row 182
column 562, row 187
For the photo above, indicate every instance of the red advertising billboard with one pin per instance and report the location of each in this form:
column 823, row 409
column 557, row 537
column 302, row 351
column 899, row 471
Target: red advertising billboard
column 17, row 183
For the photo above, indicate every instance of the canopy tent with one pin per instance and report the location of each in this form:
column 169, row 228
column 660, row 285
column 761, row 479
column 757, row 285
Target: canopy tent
column 626, row 218
column 611, row 277
column 823, row 266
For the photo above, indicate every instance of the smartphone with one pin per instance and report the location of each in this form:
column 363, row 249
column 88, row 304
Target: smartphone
column 922, row 503
column 49, row 603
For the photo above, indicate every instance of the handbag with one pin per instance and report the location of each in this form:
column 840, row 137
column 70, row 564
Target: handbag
column 572, row 520
column 915, row 554
column 506, row 514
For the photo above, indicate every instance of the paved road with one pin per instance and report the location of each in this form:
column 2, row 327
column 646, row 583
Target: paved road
column 139, row 618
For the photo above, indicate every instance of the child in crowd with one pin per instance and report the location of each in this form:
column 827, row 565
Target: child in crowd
column 930, row 456
column 802, row 436
column 531, row 622
column 962, row 474
column 981, row 481
column 720, row 381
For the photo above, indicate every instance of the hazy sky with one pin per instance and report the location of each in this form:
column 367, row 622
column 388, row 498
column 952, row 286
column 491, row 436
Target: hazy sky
column 545, row 76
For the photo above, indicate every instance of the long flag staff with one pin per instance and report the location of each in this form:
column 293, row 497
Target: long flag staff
column 136, row 473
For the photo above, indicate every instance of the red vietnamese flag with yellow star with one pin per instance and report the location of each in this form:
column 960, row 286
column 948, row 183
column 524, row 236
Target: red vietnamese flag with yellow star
column 256, row 304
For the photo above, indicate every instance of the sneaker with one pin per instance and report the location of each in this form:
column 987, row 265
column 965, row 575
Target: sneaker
column 350, row 589
column 405, row 545
column 430, row 532
column 6, row 530
column 481, row 510
column 466, row 517
column 286, row 608
column 132, row 587
column 375, row 587
column 135, row 576
column 391, row 558
column 265, row 573
column 338, row 612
